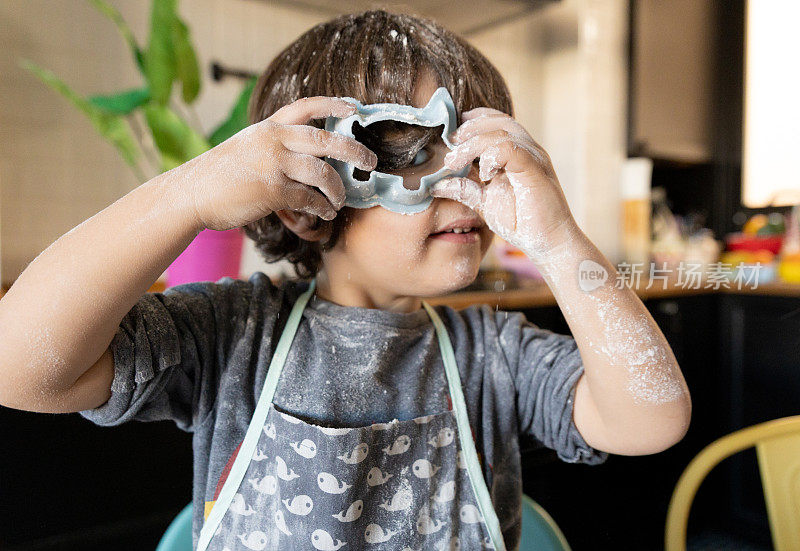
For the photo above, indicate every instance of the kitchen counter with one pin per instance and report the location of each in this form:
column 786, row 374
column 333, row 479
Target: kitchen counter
column 535, row 293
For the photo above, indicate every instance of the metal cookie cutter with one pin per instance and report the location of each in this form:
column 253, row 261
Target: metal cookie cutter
column 387, row 190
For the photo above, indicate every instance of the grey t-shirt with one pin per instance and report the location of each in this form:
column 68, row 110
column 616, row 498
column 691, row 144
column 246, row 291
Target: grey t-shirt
column 198, row 354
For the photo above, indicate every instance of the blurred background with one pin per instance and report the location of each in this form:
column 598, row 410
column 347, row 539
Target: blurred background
column 673, row 127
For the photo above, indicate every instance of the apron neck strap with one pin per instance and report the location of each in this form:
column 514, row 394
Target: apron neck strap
column 284, row 343
column 468, row 450
column 250, row 441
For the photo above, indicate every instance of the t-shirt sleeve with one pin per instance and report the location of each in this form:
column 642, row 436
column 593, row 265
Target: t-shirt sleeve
column 545, row 367
column 168, row 351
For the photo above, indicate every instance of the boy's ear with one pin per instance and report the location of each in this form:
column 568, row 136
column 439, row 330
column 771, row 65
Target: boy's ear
column 306, row 226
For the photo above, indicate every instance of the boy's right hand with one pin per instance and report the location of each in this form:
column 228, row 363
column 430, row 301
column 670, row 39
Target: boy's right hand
column 274, row 165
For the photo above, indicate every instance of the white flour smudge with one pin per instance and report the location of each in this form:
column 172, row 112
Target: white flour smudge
column 631, row 341
column 463, row 267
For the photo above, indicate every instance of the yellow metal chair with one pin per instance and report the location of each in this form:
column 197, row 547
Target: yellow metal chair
column 777, row 446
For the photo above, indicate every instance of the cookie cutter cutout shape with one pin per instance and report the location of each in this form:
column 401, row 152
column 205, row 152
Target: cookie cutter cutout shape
column 387, row 190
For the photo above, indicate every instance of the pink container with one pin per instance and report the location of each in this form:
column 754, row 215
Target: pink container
column 211, row 256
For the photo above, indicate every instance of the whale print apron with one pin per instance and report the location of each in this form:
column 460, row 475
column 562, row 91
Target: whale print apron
column 404, row 485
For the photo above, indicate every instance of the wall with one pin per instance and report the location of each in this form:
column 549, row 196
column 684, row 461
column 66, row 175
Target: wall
column 565, row 66
column 55, row 171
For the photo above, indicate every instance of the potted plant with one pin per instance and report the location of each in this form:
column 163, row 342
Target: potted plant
column 165, row 139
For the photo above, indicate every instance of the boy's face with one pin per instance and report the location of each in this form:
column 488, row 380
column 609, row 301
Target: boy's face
column 411, row 254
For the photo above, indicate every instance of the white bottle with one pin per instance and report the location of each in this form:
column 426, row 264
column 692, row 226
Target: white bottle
column 635, row 194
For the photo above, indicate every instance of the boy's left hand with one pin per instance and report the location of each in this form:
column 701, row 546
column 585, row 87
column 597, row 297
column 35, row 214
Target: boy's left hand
column 522, row 200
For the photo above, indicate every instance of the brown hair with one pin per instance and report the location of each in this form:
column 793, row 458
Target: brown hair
column 374, row 57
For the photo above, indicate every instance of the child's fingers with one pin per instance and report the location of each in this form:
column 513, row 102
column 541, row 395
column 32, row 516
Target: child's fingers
column 489, row 123
column 464, row 190
column 315, row 107
column 519, row 157
column 467, row 128
column 303, row 198
column 513, row 156
column 316, row 173
column 471, row 149
column 478, row 111
column 489, row 164
column 322, row 143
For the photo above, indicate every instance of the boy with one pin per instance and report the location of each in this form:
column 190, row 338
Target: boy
column 79, row 334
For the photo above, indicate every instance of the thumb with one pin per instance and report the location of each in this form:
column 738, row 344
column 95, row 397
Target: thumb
column 464, row 190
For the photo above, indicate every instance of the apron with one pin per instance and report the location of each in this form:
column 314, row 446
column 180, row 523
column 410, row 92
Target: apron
column 404, row 485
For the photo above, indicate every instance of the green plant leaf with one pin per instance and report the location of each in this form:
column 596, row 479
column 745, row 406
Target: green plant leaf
column 113, row 14
column 188, row 71
column 175, row 139
column 112, row 127
column 237, row 120
column 160, row 66
column 122, row 103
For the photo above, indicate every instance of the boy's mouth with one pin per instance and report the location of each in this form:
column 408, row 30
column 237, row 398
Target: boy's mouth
column 464, row 230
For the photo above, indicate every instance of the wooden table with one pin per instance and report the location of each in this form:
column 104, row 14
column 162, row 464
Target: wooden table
column 532, row 294
column 535, row 293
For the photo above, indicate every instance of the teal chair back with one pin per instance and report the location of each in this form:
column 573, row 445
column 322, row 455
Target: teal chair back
column 178, row 536
column 539, row 531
